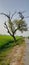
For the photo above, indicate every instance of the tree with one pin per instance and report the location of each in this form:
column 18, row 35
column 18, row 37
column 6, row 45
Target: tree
column 15, row 25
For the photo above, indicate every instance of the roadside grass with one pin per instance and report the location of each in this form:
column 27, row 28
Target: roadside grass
column 6, row 45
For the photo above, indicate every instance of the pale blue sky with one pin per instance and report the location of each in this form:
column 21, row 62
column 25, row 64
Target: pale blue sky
column 12, row 5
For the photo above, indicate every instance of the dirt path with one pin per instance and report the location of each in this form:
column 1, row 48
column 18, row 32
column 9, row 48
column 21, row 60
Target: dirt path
column 17, row 56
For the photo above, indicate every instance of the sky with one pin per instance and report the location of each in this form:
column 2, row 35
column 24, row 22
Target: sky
column 13, row 5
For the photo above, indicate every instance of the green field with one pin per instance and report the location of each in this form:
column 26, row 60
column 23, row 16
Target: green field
column 6, row 45
column 6, row 41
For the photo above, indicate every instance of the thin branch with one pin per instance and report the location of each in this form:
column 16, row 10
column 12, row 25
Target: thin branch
column 15, row 30
column 13, row 14
column 5, row 15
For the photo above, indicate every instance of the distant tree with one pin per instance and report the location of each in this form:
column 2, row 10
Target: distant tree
column 15, row 25
column 28, row 37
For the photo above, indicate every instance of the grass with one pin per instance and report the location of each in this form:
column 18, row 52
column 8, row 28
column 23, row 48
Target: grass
column 7, row 41
column 6, row 45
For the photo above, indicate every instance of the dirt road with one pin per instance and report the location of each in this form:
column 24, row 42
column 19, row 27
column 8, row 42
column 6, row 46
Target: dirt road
column 26, row 57
column 17, row 56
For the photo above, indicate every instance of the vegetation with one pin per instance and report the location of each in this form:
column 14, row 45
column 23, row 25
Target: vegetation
column 28, row 37
column 6, row 45
column 8, row 41
column 15, row 25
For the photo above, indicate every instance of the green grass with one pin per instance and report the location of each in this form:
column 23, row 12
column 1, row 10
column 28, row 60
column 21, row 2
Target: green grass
column 6, row 45
column 4, row 39
column 8, row 42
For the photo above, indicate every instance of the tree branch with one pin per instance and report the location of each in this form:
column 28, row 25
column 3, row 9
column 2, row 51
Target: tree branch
column 5, row 15
column 13, row 14
column 15, row 30
column 7, row 28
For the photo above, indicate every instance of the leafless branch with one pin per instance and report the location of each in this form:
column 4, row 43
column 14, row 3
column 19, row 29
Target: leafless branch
column 7, row 28
column 26, row 17
column 13, row 14
column 5, row 15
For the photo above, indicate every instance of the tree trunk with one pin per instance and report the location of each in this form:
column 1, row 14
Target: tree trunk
column 14, row 38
